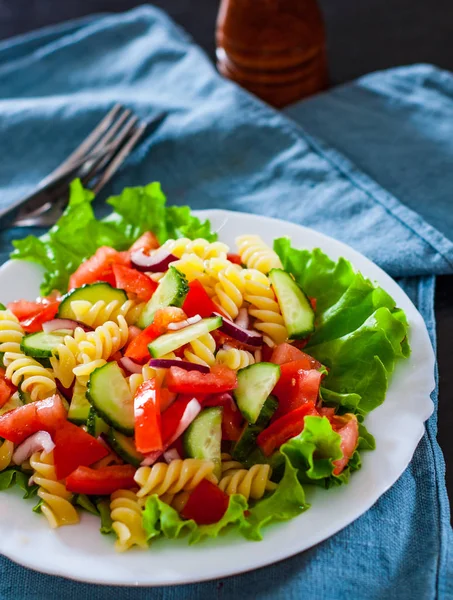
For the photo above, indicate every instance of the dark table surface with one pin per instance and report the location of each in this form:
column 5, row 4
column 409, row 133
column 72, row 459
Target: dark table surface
column 362, row 37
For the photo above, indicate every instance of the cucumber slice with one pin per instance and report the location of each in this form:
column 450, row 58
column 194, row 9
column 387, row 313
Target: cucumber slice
column 297, row 311
column 2, row 306
column 111, row 397
column 125, row 447
column 247, row 440
column 41, row 345
column 172, row 291
column 255, row 383
column 96, row 425
column 25, row 397
column 203, row 437
column 79, row 408
column 171, row 341
column 92, row 293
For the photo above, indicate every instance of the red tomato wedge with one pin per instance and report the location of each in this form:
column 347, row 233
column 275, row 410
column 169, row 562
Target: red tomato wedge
column 133, row 282
column 347, row 428
column 147, row 242
column 34, row 323
column 206, row 504
column 18, row 424
column 285, row 428
column 170, row 314
column 6, row 388
column 138, row 348
column 148, row 437
column 231, row 416
column 295, row 387
column 102, row 482
column 198, row 302
column 220, row 379
column 74, row 448
column 284, row 353
column 234, row 258
column 172, row 417
column 99, row 267
column 24, row 309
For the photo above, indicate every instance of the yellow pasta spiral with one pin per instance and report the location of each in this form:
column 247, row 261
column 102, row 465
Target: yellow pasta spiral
column 235, row 358
column 56, row 506
column 11, row 333
column 251, row 483
column 228, row 463
column 179, row 475
column 200, row 247
column 135, row 380
column 264, row 307
column 229, row 287
column 64, row 360
column 126, row 514
column 176, row 501
column 30, row 375
column 256, row 254
column 98, row 313
column 6, row 454
column 201, row 351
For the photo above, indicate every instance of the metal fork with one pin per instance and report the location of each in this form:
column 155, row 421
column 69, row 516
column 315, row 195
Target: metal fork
column 95, row 161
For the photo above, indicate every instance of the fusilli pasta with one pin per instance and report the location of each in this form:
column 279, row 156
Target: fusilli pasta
column 251, row 483
column 6, row 454
column 264, row 307
column 229, row 287
column 175, row 477
column 11, row 332
column 56, row 506
column 200, row 247
column 64, row 360
column 234, row 358
column 201, row 350
column 98, row 313
column 30, row 375
column 256, row 254
column 126, row 514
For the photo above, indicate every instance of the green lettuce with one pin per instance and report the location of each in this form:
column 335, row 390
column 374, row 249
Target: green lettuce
column 78, row 233
column 359, row 334
column 15, row 476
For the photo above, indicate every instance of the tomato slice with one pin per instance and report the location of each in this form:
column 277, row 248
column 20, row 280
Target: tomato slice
column 220, row 379
column 285, row 428
column 23, row 309
column 134, row 282
column 7, row 389
column 102, row 482
column 234, row 258
column 198, row 302
column 206, row 504
column 347, row 427
column 284, row 353
column 148, row 437
column 74, row 448
column 170, row 314
column 46, row 415
column 171, row 418
column 295, row 387
column 34, row 323
column 99, row 267
column 147, row 242
column 231, row 416
column 138, row 348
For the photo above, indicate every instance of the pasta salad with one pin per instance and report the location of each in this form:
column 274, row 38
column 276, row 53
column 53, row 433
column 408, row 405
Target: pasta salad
column 172, row 385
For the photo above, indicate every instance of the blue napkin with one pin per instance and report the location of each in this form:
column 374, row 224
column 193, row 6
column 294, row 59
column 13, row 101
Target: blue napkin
column 219, row 147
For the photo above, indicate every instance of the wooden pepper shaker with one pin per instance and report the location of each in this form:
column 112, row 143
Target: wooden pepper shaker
column 273, row 48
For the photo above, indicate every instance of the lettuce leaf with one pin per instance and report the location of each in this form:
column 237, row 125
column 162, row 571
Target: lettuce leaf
column 78, row 233
column 15, row 476
column 359, row 333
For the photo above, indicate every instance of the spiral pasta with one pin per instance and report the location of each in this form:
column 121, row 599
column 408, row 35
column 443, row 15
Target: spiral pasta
column 251, row 483
column 56, row 506
column 201, row 351
column 179, row 475
column 6, row 454
column 256, row 254
column 98, row 313
column 64, row 360
column 30, row 375
column 11, row 332
column 229, row 287
column 200, row 247
column 264, row 307
column 126, row 514
column 234, row 358
column 135, row 380
column 176, row 501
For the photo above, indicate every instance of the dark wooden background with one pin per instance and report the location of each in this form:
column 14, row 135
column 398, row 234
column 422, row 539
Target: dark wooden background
column 363, row 36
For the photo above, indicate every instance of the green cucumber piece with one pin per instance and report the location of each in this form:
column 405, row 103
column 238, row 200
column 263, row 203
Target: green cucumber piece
column 247, row 440
column 125, row 447
column 25, row 397
column 79, row 408
column 172, row 291
column 91, row 292
column 171, row 341
column 297, row 311
column 111, row 397
column 96, row 425
column 41, row 345
column 255, row 383
column 203, row 437
column 267, row 412
column 2, row 306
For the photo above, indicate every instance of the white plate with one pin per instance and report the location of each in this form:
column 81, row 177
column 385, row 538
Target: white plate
column 80, row 552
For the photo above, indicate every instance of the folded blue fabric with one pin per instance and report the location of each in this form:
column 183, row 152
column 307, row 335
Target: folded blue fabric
column 219, row 147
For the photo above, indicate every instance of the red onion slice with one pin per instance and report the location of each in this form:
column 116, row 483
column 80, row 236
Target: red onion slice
column 170, row 455
column 156, row 262
column 242, row 320
column 129, row 365
column 185, row 323
column 245, row 336
column 166, row 363
column 64, row 324
column 40, row 440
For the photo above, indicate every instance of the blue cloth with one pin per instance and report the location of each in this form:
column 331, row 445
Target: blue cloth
column 219, row 147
